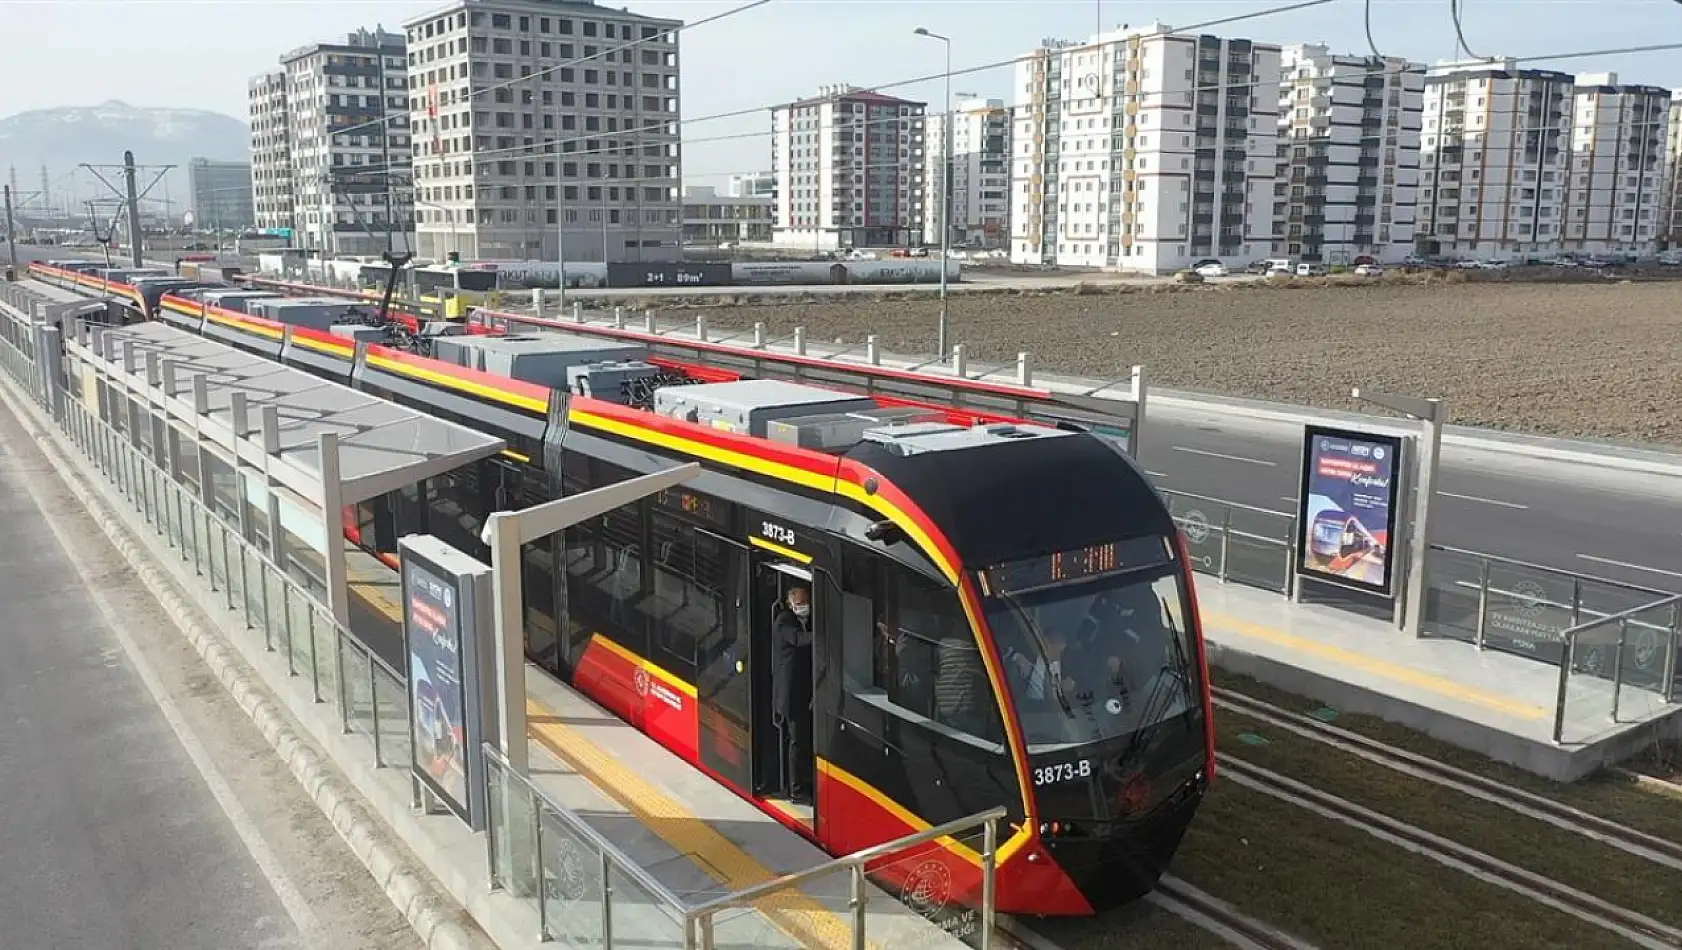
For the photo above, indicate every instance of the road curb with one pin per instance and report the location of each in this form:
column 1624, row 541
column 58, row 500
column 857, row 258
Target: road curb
column 433, row 919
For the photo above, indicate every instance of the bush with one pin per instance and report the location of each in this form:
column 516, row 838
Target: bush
column 1341, row 268
column 1188, row 277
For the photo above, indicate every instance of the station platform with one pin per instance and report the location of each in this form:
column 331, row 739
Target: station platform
column 1496, row 704
column 691, row 834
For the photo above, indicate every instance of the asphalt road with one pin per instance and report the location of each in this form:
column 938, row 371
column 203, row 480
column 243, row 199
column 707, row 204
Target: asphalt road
column 1572, row 517
column 141, row 809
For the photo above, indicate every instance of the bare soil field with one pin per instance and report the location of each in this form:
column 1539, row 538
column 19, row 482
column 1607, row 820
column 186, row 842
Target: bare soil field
column 1598, row 361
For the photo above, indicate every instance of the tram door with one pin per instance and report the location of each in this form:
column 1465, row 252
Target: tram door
column 727, row 667
column 784, row 756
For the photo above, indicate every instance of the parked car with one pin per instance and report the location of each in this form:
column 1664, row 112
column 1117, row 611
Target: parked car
column 1368, row 270
column 1258, row 267
column 1211, row 269
column 1306, row 269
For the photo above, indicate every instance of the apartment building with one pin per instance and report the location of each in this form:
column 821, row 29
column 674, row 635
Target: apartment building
column 1348, row 150
column 221, row 194
column 271, row 151
column 1144, row 150
column 711, row 219
column 849, row 167
column 980, row 174
column 1614, row 198
column 350, row 144
column 1494, row 160
column 753, row 185
column 1672, row 219
column 572, row 152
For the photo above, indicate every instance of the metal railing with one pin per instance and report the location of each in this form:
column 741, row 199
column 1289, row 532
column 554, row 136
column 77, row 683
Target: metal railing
column 1593, row 669
column 280, row 607
column 1239, row 543
column 587, row 892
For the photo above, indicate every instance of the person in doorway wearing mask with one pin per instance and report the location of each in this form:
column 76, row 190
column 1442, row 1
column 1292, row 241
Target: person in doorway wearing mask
column 791, row 683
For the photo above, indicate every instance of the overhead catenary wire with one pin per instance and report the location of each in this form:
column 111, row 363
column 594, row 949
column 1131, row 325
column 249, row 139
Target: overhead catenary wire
column 1459, row 31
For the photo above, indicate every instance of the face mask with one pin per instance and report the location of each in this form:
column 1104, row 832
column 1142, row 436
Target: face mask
column 802, row 610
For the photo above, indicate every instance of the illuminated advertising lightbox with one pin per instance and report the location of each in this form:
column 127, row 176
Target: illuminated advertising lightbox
column 442, row 629
column 1347, row 508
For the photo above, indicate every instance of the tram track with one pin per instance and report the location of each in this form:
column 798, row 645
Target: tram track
column 1196, row 907
column 1638, row 929
column 1649, row 847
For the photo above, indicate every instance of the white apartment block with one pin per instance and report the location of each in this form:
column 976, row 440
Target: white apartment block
column 349, row 144
column 572, row 153
column 849, row 167
column 1672, row 219
column 753, row 185
column 1615, row 196
column 1145, row 151
column 980, row 166
column 711, row 219
column 1495, row 158
column 1349, row 132
column 271, row 151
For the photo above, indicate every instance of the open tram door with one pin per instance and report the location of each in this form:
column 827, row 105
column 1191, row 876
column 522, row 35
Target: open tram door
column 783, row 728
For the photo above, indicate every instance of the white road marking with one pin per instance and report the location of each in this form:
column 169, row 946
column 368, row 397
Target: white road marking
column 1485, row 501
column 1290, row 498
column 1633, row 567
column 1230, row 458
column 303, row 917
column 1156, row 474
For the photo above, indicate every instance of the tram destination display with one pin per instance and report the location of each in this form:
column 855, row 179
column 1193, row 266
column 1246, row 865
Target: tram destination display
column 1078, row 564
column 1347, row 508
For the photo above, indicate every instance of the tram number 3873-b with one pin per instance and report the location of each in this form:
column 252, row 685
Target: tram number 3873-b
column 1062, row 772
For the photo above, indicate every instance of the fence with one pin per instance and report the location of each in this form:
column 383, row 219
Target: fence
column 1615, row 644
column 586, row 892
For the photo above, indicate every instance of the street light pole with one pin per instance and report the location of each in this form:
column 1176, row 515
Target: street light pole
column 944, row 343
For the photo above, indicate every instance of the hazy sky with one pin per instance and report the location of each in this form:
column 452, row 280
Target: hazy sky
column 199, row 53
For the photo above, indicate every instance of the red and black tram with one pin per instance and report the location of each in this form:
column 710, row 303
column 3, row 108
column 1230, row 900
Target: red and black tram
column 1002, row 613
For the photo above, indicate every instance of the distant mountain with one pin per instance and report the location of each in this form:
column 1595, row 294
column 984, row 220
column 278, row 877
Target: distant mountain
column 65, row 137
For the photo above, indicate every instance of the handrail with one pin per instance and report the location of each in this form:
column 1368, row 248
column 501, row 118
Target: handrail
column 1531, row 565
column 1228, row 504
column 856, row 859
column 1569, row 638
column 639, row 874
column 1570, row 634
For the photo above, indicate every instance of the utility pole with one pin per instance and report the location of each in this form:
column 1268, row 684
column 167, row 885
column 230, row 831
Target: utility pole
column 11, row 240
column 130, row 196
column 134, row 234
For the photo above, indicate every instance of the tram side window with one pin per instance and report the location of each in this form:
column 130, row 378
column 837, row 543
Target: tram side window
column 606, row 581
column 685, row 608
column 459, row 503
column 925, row 658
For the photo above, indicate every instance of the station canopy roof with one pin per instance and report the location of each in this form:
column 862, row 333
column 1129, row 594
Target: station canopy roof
column 382, row 446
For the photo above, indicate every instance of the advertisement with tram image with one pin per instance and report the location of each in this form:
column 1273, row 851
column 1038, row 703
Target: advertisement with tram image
column 1347, row 513
column 442, row 633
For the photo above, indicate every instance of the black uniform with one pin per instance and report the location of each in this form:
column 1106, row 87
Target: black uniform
column 791, row 696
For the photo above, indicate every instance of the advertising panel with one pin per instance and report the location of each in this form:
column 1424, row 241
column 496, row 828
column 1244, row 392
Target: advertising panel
column 438, row 704
column 1349, row 501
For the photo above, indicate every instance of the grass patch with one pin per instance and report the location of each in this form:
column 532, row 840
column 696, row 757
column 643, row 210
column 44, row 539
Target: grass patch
column 1606, row 794
column 1341, row 888
column 1138, row 926
column 1572, row 859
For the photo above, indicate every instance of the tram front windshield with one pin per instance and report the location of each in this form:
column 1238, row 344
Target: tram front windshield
column 1098, row 651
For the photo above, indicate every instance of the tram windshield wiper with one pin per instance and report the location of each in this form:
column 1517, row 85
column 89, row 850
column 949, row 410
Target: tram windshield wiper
column 1033, row 628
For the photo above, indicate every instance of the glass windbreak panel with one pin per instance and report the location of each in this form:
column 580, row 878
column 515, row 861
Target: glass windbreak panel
column 1589, row 687
column 1650, row 641
column 1201, row 524
column 1452, row 581
column 1258, row 549
column 1646, row 633
column 572, row 882
column 640, row 918
column 1528, row 611
column 225, row 494
column 1099, row 658
column 936, row 884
